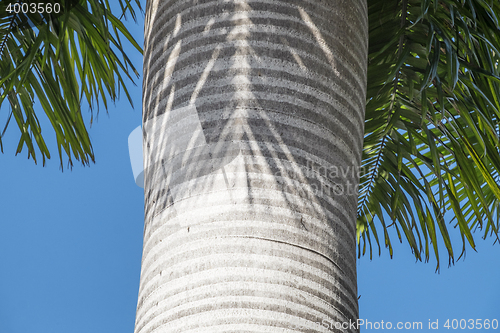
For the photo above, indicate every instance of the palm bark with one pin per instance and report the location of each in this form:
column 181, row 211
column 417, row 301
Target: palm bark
column 253, row 130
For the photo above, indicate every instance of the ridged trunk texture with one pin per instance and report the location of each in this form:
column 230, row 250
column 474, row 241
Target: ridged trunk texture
column 253, row 131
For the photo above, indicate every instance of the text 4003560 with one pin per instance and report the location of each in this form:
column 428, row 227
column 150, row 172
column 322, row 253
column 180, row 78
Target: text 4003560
column 33, row 7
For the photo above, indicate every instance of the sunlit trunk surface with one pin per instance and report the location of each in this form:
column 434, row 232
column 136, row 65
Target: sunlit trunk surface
column 253, row 117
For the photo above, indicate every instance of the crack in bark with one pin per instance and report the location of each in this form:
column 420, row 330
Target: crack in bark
column 288, row 243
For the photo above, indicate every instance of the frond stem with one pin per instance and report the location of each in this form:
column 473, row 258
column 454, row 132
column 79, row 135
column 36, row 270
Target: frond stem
column 11, row 25
column 378, row 162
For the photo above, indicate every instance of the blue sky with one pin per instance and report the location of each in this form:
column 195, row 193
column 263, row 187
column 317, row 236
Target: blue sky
column 71, row 242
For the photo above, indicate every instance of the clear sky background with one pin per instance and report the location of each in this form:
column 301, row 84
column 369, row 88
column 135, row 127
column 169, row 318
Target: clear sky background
column 71, row 243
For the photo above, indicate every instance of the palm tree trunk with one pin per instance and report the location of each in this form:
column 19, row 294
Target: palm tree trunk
column 253, row 130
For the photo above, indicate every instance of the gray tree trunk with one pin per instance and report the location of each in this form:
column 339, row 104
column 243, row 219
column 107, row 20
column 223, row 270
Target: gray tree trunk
column 253, row 131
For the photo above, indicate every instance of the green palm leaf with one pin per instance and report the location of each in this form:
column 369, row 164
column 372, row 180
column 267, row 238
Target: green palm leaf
column 61, row 62
column 432, row 123
column 432, row 119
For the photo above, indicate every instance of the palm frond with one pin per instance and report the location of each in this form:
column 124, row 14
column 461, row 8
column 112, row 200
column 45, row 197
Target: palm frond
column 432, row 124
column 61, row 60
